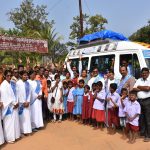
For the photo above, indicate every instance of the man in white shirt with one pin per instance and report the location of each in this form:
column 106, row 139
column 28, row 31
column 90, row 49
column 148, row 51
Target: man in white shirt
column 142, row 86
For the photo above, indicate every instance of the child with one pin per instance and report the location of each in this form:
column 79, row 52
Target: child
column 121, row 104
column 49, row 104
column 85, row 105
column 78, row 99
column 132, row 111
column 70, row 100
column 98, row 106
column 1, row 130
column 112, row 105
column 91, row 102
column 65, row 95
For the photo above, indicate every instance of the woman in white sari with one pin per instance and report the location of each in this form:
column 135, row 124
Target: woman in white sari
column 10, row 109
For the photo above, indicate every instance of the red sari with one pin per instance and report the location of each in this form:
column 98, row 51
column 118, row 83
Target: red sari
column 85, row 107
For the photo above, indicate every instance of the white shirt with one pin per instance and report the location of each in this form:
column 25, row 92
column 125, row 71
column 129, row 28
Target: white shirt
column 115, row 98
column 133, row 108
column 70, row 95
column 97, row 103
column 121, row 109
column 141, row 82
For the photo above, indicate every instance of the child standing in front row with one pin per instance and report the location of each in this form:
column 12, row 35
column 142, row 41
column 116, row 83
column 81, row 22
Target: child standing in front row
column 85, row 105
column 78, row 99
column 98, row 106
column 65, row 95
column 70, row 100
column 121, row 104
column 112, row 105
column 132, row 111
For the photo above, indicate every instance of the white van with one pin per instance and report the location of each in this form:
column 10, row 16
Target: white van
column 110, row 56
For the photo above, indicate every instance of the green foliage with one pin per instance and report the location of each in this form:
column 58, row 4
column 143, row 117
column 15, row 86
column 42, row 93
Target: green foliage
column 90, row 24
column 142, row 35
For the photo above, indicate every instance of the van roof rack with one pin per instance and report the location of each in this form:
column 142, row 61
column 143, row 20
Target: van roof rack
column 93, row 43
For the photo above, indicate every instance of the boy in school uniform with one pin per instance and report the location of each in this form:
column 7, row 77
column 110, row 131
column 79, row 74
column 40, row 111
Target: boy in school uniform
column 112, row 105
column 132, row 111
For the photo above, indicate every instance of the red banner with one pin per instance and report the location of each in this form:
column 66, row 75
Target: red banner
column 8, row 43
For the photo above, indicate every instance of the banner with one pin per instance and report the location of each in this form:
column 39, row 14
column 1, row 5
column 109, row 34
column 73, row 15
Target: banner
column 8, row 43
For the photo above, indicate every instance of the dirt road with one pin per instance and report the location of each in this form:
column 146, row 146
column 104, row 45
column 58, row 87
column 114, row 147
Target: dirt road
column 73, row 136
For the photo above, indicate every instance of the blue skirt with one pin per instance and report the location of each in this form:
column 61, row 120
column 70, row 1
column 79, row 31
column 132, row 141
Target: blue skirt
column 78, row 106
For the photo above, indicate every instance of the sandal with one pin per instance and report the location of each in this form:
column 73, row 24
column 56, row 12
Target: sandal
column 53, row 121
column 59, row 121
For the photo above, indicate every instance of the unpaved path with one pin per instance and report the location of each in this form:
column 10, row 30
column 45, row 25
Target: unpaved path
column 73, row 136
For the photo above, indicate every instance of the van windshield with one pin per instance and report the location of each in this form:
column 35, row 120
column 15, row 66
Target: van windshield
column 146, row 54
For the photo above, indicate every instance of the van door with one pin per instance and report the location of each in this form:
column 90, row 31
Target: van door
column 132, row 63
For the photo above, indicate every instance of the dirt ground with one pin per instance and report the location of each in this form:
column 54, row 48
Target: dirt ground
column 73, row 136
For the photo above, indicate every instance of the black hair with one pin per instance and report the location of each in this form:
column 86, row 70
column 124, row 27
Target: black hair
column 48, row 82
column 65, row 83
column 81, row 81
column 94, row 84
column 111, row 71
column 133, row 92
column 57, row 76
column 124, row 89
column 31, row 72
column 145, row 69
column 113, row 86
column 20, row 66
column 99, row 83
column 6, row 72
column 124, row 67
column 22, row 72
column 87, row 86
column 70, row 82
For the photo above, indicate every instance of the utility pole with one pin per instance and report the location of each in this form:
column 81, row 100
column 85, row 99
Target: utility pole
column 81, row 19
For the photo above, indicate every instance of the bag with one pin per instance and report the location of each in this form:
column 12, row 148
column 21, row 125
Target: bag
column 53, row 98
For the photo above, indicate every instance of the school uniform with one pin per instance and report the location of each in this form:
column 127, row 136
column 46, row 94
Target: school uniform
column 133, row 108
column 85, row 106
column 113, row 118
column 99, row 107
column 78, row 96
column 70, row 101
column 121, row 113
column 65, row 91
column 91, row 102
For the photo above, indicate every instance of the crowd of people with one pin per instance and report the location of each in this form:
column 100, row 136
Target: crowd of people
column 28, row 96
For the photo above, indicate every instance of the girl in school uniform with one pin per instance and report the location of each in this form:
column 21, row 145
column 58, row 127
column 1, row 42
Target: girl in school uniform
column 78, row 99
column 65, row 95
column 92, row 93
column 85, row 105
column 98, row 113
column 70, row 100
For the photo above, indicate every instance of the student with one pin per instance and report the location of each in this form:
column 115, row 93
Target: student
column 10, row 108
column 58, row 107
column 78, row 99
column 123, row 101
column 132, row 111
column 98, row 106
column 65, row 95
column 36, row 102
column 112, row 106
column 1, row 129
column 24, row 97
column 92, row 93
column 85, row 105
column 70, row 100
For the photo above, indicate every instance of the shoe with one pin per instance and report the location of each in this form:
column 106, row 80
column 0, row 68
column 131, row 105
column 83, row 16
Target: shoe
column 34, row 130
column 146, row 139
column 11, row 142
column 59, row 121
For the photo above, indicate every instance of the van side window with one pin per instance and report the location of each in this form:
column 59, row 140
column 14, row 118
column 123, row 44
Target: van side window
column 132, row 63
column 103, row 63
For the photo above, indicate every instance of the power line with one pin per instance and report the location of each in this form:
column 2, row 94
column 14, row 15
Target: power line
column 87, row 6
column 55, row 5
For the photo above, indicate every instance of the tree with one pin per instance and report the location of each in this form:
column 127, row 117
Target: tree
column 90, row 23
column 142, row 35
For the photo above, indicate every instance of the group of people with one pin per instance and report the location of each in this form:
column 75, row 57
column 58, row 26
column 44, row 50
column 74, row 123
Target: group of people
column 29, row 96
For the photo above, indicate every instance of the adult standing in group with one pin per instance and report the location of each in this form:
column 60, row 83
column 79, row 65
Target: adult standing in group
column 96, row 77
column 10, row 108
column 40, row 77
column 127, row 81
column 36, row 103
column 142, row 86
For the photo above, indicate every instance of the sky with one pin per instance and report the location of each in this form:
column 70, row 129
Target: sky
column 124, row 16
